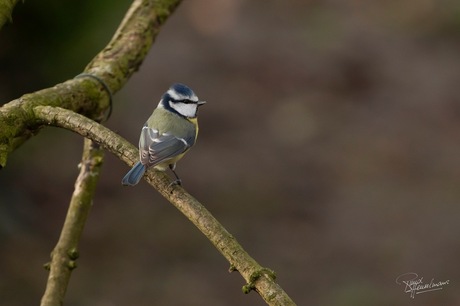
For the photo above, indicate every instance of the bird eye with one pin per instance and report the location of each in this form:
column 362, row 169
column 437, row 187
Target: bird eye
column 185, row 101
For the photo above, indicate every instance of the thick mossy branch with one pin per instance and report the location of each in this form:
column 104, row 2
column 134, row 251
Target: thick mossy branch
column 131, row 42
column 257, row 277
column 17, row 120
column 114, row 65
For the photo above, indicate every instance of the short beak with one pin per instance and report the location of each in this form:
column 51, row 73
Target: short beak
column 201, row 103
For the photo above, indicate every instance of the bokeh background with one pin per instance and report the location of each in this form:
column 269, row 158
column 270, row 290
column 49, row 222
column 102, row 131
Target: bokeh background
column 329, row 148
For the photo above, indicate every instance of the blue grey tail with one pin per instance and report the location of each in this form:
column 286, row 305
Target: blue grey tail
column 134, row 175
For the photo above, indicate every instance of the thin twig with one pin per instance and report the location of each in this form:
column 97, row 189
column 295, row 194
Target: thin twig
column 258, row 278
column 65, row 254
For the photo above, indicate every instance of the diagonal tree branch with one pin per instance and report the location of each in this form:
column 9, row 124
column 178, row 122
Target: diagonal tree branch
column 67, row 104
column 114, row 66
column 258, row 278
column 65, row 254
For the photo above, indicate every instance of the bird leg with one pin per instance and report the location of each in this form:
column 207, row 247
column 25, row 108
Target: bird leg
column 177, row 181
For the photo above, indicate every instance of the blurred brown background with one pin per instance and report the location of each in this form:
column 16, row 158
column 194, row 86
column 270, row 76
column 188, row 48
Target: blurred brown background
column 329, row 148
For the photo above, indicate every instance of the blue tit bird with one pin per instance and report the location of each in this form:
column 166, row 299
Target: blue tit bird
column 168, row 134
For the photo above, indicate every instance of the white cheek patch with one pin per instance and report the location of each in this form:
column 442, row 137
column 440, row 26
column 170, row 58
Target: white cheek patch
column 185, row 109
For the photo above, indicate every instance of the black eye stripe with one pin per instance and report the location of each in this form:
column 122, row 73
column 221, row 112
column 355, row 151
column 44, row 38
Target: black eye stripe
column 183, row 101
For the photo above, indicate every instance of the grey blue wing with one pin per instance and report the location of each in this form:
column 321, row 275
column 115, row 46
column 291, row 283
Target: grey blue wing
column 156, row 148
